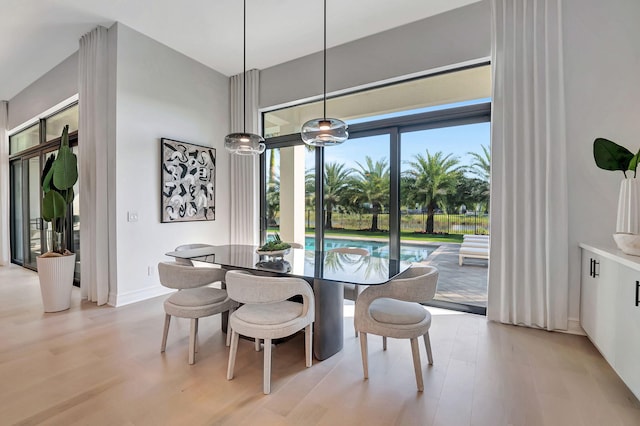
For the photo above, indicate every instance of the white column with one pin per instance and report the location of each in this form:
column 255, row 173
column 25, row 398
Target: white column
column 292, row 194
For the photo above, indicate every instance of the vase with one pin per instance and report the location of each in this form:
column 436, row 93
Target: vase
column 56, row 281
column 629, row 207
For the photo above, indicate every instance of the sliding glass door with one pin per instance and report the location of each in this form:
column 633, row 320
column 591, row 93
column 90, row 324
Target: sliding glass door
column 445, row 195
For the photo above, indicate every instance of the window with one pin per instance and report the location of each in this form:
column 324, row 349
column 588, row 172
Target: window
column 406, row 184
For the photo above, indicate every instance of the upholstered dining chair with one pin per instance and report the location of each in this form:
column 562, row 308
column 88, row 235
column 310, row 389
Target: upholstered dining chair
column 351, row 291
column 268, row 314
column 182, row 247
column 393, row 310
column 193, row 299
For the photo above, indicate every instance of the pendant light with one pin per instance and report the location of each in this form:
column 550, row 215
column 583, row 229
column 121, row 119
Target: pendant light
column 324, row 131
column 244, row 143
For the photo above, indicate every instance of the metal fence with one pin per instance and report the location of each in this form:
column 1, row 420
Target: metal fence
column 443, row 223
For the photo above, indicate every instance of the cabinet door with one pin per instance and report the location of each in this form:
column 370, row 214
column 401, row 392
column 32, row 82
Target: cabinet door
column 598, row 301
column 627, row 351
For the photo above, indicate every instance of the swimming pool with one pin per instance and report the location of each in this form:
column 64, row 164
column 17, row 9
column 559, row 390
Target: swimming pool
column 408, row 252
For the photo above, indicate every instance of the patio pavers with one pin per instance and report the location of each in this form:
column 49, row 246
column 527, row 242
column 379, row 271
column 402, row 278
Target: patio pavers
column 459, row 284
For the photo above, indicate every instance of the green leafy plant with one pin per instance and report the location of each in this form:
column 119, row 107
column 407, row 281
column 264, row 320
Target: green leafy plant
column 611, row 156
column 275, row 244
column 59, row 175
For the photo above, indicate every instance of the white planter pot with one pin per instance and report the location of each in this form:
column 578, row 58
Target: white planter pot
column 629, row 207
column 56, row 281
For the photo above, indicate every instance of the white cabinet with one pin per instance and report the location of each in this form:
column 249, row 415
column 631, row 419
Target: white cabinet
column 627, row 345
column 610, row 311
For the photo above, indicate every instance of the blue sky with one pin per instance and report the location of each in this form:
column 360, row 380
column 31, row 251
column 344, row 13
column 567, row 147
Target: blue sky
column 456, row 140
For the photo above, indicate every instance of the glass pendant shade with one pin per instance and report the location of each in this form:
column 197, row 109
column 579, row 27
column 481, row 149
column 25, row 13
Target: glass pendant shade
column 324, row 132
column 244, row 143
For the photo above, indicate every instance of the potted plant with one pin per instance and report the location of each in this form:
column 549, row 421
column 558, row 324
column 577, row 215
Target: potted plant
column 611, row 156
column 56, row 267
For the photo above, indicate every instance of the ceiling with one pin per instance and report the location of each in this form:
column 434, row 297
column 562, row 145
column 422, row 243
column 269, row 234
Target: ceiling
column 40, row 34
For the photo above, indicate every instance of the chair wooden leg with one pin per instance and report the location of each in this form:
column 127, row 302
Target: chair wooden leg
column 384, row 343
column 197, row 342
column 167, row 320
column 229, row 331
column 308, row 342
column 427, row 346
column 267, row 367
column 228, row 341
column 192, row 340
column 257, row 344
column 365, row 356
column 415, row 351
column 232, row 354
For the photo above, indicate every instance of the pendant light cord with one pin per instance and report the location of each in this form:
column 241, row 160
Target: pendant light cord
column 244, row 69
column 324, row 111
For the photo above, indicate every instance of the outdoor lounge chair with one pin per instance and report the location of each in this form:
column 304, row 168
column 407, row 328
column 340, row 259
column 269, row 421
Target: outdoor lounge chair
column 474, row 246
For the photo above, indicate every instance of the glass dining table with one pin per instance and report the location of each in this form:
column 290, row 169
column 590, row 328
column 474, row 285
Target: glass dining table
column 326, row 271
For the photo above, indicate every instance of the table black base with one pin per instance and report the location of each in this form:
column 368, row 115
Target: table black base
column 328, row 328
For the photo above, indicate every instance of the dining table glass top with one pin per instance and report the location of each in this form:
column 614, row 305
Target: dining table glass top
column 324, row 265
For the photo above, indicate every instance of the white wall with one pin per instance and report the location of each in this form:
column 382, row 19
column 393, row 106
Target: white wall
column 450, row 38
column 602, row 86
column 49, row 90
column 161, row 93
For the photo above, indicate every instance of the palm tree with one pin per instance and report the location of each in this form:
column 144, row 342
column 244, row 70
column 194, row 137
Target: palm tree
column 435, row 175
column 481, row 164
column 273, row 198
column 337, row 181
column 371, row 186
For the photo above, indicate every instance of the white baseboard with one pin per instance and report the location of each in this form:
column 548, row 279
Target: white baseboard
column 137, row 295
column 574, row 327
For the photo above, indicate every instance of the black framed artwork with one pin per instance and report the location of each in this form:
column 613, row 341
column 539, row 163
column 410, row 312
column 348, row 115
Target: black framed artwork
column 188, row 182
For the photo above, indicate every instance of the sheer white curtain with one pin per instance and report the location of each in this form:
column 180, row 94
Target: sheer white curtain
column 528, row 271
column 245, row 191
column 5, row 249
column 93, row 155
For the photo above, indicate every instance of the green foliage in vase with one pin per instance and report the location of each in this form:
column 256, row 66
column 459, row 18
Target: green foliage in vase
column 59, row 175
column 611, row 156
column 275, row 244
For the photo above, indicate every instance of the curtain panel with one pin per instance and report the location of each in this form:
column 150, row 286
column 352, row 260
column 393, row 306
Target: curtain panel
column 528, row 270
column 245, row 191
column 94, row 173
column 5, row 247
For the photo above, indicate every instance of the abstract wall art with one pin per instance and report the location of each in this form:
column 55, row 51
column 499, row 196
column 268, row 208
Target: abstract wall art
column 188, row 182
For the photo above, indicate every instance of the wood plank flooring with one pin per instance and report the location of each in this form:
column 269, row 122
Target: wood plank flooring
column 103, row 366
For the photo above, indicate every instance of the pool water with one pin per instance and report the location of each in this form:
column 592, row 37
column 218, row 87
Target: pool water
column 408, row 252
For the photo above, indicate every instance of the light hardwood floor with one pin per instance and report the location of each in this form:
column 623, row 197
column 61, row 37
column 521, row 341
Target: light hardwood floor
column 103, row 366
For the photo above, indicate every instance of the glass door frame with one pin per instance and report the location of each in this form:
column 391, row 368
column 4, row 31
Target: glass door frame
column 395, row 127
column 40, row 151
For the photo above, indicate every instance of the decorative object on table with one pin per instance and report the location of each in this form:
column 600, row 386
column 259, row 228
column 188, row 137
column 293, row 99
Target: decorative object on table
column 324, row 131
column 611, row 156
column 188, row 182
column 274, row 248
column 56, row 267
column 628, row 243
column 277, row 265
column 244, row 143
